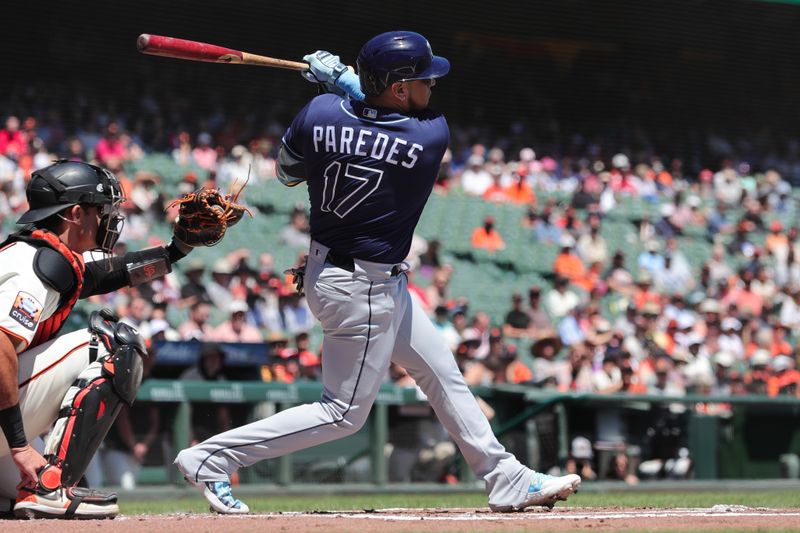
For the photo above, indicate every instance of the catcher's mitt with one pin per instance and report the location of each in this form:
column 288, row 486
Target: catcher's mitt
column 205, row 214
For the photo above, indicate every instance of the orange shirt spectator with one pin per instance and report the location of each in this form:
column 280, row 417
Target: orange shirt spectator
column 495, row 193
column 785, row 379
column 776, row 242
column 518, row 372
column 570, row 266
column 487, row 238
column 520, row 193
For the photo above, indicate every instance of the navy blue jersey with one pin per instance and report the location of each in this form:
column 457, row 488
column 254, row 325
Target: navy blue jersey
column 369, row 171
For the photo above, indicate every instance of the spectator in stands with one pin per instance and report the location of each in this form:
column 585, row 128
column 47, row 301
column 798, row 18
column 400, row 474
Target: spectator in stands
column 139, row 314
column 719, row 269
column 510, row 369
column 759, row 375
column 237, row 168
column 785, row 379
column 743, row 296
column 437, row 292
column 475, row 179
column 790, row 309
column 465, row 356
column 296, row 233
column 496, row 191
column 193, row 290
column 487, row 238
column 719, row 222
column 110, row 151
column 618, row 277
column 646, row 229
column 547, row 371
column 741, row 244
column 284, row 361
column 580, row 459
column 236, row 328
column 76, row 151
column 674, row 278
column 520, row 192
column 204, row 155
column 730, row 340
column 540, row 322
column 481, row 324
column 208, row 418
column 573, row 327
column 218, row 288
column 517, row 321
column 182, row 152
column 296, row 315
column 441, row 321
column 429, row 259
column 592, row 247
column 608, row 378
column 650, row 260
column 545, row 231
column 263, row 160
column 568, row 265
column 560, row 300
column 727, row 188
column 310, row 361
column 13, row 143
column 665, row 227
column 581, row 198
column 197, row 326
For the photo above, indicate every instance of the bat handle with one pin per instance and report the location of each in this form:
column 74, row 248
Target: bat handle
column 254, row 59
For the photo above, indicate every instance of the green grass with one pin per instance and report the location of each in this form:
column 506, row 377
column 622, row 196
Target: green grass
column 260, row 504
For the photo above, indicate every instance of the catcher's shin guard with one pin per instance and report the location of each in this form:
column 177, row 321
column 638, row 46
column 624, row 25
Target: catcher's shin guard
column 93, row 402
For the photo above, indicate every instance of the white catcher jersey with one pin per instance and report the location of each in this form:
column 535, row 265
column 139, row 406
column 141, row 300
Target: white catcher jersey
column 25, row 301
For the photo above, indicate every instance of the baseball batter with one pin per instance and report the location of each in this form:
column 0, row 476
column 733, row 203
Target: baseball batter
column 79, row 380
column 370, row 166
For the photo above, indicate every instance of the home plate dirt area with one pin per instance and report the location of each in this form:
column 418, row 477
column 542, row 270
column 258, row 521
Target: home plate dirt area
column 719, row 517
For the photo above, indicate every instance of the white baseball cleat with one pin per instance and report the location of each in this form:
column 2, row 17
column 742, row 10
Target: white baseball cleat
column 218, row 494
column 545, row 491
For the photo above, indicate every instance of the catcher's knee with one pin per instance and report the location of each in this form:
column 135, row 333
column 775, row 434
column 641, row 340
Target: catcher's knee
column 94, row 401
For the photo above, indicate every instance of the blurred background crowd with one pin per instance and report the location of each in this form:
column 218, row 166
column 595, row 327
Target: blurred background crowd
column 606, row 320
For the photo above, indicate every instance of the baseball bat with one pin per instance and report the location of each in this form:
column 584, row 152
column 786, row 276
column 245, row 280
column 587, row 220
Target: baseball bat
column 159, row 45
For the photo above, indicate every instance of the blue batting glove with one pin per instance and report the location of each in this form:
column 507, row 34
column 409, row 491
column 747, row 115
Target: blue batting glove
column 325, row 66
column 326, row 69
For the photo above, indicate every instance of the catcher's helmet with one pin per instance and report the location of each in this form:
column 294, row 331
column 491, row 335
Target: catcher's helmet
column 397, row 56
column 66, row 183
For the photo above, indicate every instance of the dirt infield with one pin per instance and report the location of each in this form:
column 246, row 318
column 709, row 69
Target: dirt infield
column 719, row 517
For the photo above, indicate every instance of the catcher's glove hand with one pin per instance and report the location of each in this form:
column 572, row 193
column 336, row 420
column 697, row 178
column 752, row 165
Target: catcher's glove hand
column 205, row 214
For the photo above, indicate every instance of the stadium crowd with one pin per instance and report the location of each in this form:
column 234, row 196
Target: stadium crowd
column 665, row 326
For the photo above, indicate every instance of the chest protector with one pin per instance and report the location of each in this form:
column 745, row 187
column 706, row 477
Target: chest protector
column 58, row 267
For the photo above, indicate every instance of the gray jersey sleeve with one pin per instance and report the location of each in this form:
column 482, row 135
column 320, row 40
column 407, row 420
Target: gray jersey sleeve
column 289, row 168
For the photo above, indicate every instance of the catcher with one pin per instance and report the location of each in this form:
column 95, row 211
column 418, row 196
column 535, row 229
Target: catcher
column 79, row 380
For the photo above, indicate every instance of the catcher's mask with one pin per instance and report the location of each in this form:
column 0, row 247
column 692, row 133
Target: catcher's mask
column 66, row 183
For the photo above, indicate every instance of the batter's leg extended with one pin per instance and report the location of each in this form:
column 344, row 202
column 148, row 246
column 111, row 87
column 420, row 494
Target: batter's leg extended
column 360, row 318
column 510, row 485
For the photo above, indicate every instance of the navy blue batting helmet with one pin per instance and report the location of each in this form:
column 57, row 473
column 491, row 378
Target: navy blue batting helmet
column 397, row 56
